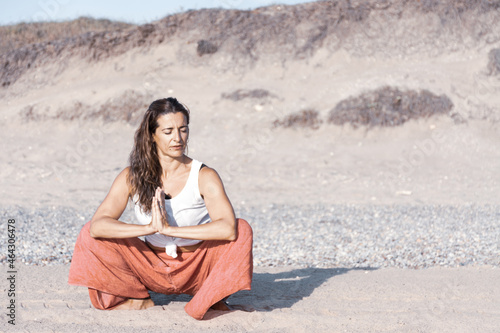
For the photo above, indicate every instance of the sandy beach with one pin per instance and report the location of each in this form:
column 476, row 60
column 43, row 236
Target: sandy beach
column 70, row 108
column 284, row 299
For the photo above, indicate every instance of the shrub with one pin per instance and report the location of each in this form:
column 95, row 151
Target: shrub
column 128, row 107
column 308, row 118
column 240, row 94
column 494, row 62
column 388, row 106
column 206, row 47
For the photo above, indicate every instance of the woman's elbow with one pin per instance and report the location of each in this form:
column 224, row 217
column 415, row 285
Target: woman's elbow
column 93, row 234
column 232, row 233
column 93, row 230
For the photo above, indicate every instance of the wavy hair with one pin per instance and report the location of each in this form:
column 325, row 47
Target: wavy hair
column 145, row 170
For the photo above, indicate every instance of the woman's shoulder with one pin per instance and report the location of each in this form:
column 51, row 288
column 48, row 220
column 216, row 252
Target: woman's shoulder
column 124, row 173
column 206, row 171
column 122, row 179
column 210, row 184
column 208, row 175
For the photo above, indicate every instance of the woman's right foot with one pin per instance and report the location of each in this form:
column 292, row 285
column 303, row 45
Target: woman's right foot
column 135, row 304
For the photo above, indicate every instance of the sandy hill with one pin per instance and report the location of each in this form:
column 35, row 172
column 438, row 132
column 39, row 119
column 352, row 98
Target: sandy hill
column 346, row 101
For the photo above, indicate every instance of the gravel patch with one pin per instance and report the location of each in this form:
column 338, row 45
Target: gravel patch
column 405, row 236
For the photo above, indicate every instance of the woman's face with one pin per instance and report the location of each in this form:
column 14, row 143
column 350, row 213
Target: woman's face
column 172, row 134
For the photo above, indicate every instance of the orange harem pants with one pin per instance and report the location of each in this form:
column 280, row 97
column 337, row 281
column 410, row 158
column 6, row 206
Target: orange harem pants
column 115, row 270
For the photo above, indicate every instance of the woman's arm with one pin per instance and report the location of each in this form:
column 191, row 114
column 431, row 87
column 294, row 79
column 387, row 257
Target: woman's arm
column 223, row 224
column 105, row 224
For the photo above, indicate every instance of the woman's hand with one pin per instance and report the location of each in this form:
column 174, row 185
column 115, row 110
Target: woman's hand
column 159, row 220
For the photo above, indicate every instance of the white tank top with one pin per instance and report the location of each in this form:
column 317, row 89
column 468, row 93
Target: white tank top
column 185, row 209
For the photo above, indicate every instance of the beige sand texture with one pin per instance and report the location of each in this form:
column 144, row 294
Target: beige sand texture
column 284, row 299
column 69, row 111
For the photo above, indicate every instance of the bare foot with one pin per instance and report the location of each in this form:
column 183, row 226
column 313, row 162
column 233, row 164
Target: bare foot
column 135, row 304
column 221, row 306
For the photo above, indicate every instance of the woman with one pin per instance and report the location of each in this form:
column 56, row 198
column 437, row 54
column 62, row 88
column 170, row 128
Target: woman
column 193, row 242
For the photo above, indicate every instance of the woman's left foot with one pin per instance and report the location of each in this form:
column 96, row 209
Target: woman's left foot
column 221, row 306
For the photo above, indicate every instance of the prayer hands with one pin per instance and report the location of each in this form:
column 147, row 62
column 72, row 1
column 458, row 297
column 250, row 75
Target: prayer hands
column 159, row 222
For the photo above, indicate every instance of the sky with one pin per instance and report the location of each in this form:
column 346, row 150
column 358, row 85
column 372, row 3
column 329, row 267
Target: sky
column 138, row 12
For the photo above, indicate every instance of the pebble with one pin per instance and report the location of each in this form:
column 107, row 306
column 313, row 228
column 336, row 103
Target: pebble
column 322, row 236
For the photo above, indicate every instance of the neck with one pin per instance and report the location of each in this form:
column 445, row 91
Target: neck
column 171, row 165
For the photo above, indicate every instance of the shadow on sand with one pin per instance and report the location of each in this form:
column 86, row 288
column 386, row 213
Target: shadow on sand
column 271, row 291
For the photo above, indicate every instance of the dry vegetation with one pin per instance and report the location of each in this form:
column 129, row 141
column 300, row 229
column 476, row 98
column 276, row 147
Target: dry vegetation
column 304, row 119
column 128, row 107
column 285, row 32
column 388, row 106
column 15, row 36
column 494, row 62
column 241, row 94
column 206, row 47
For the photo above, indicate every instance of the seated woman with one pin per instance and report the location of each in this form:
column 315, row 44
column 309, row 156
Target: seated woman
column 193, row 242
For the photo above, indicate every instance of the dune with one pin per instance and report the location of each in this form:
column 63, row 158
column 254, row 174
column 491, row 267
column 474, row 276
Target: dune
column 82, row 100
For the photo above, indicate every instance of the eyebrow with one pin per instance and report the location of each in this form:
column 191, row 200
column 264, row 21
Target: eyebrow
column 171, row 128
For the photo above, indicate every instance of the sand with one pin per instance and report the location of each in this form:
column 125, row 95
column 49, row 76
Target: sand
column 283, row 299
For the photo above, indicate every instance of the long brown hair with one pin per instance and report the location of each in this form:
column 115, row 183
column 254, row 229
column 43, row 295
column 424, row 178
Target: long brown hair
column 145, row 170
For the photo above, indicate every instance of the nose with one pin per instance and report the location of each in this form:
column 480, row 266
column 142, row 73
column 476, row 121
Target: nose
column 177, row 136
